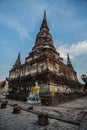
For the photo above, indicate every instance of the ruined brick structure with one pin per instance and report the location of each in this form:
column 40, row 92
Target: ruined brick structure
column 44, row 65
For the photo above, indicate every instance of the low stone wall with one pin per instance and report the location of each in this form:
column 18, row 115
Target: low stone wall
column 17, row 96
column 47, row 99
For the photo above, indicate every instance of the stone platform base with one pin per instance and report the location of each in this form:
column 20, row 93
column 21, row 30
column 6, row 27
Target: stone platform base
column 47, row 99
column 17, row 96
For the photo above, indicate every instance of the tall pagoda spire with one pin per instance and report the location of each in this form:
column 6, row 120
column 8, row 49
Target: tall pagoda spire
column 44, row 22
column 69, row 61
column 44, row 37
column 18, row 61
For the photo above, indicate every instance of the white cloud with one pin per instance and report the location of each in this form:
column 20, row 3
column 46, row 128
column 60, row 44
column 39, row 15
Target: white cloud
column 77, row 52
column 14, row 24
column 73, row 49
column 79, row 48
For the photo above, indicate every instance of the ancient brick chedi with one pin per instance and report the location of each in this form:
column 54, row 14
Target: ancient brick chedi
column 45, row 66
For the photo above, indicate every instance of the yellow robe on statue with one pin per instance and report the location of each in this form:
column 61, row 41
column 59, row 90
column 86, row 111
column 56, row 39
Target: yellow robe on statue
column 36, row 88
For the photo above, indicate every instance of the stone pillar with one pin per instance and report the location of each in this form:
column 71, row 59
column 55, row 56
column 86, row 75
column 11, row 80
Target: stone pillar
column 43, row 119
column 16, row 110
column 4, row 104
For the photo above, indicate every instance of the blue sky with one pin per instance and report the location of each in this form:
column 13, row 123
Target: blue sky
column 20, row 21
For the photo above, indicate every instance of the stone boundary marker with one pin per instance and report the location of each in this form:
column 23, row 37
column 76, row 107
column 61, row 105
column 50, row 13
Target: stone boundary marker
column 43, row 119
column 16, row 110
column 4, row 104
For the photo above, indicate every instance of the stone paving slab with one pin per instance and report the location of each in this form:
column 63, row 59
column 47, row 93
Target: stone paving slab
column 28, row 121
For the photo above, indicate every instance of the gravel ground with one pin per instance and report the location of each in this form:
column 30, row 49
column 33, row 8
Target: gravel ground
column 74, row 110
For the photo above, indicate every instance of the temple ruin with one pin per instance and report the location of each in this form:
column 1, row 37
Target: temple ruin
column 45, row 66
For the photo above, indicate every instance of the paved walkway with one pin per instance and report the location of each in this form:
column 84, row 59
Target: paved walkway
column 75, row 110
